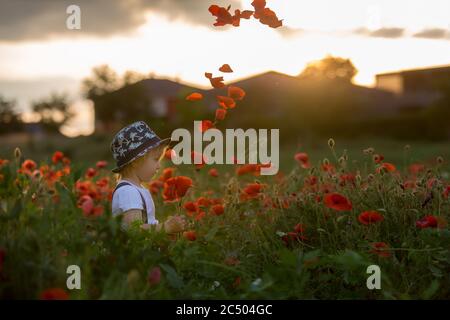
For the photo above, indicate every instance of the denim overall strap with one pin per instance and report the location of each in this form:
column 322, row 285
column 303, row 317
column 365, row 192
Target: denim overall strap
column 144, row 213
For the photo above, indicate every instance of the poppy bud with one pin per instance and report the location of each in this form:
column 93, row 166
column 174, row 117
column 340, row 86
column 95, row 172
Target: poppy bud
column 133, row 278
column 17, row 153
column 326, row 161
column 331, row 143
column 407, row 147
column 440, row 160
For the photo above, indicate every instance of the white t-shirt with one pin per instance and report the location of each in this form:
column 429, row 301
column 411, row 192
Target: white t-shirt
column 127, row 197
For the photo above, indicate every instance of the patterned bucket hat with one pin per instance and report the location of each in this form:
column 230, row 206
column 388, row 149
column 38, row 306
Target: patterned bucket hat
column 134, row 141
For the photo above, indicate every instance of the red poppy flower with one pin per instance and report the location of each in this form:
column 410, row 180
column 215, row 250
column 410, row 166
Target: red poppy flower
column 389, row 167
column 167, row 173
column 83, row 187
column 429, row 221
column 91, row 172
column 190, row 235
column 409, row 184
column 446, row 192
column 3, row 162
column 203, row 202
column 54, row 294
column 378, row 158
column 225, row 68
column 218, row 209
column 195, row 96
column 86, row 203
column 303, row 159
column 176, row 187
column 337, row 202
column 155, row 186
column 102, row 183
column 252, row 168
column 299, row 228
column 431, row 182
column 368, row 217
column 311, row 180
column 57, row 157
column 154, row 276
column 252, row 190
column 237, row 282
column 101, row 164
column 236, row 93
column 213, row 172
column 28, row 166
column 416, row 168
column 191, row 207
column 200, row 215
column 97, row 211
column 206, row 125
column 346, row 178
column 328, row 167
column 381, row 249
column 66, row 161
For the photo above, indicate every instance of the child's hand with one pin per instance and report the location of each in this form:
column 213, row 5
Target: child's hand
column 175, row 224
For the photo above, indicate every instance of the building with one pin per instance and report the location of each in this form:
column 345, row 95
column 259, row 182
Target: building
column 415, row 87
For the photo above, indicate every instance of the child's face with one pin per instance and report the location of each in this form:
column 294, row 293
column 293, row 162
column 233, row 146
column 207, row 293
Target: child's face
column 150, row 165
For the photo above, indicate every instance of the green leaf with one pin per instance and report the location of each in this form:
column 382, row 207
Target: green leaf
column 172, row 277
column 15, row 211
column 211, row 233
column 435, row 271
column 431, row 290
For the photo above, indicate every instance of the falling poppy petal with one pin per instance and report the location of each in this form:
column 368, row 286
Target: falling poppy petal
column 225, row 68
column 236, row 93
column 195, row 96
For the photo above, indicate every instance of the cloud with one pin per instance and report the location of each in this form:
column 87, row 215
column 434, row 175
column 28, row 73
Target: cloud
column 22, row 20
column 382, row 32
column 434, row 33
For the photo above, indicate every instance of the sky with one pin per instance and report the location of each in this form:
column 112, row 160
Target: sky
column 176, row 39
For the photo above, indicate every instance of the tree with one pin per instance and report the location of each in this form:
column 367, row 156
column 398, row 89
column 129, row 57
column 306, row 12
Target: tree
column 329, row 68
column 131, row 77
column 53, row 111
column 103, row 80
column 116, row 99
column 9, row 118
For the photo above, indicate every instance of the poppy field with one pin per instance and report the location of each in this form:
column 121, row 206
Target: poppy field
column 309, row 233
